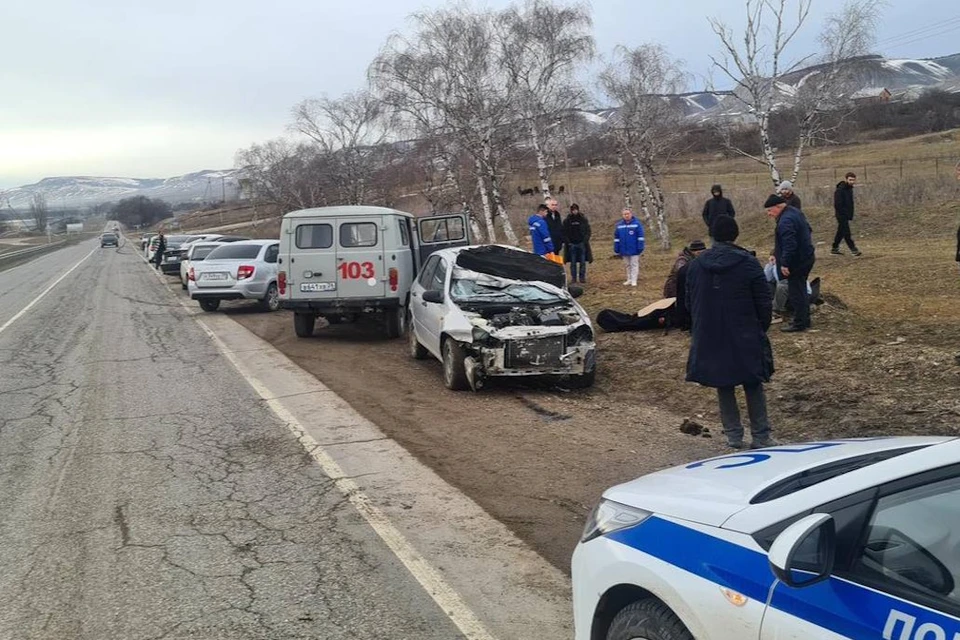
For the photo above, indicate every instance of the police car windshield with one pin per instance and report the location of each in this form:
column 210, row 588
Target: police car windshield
column 470, row 290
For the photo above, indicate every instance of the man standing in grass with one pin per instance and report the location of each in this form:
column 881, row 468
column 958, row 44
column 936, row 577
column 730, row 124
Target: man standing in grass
column 786, row 191
column 628, row 243
column 795, row 256
column 843, row 209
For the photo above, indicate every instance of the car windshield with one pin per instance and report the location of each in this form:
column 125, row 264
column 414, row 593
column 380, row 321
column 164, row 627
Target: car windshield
column 235, row 252
column 202, row 251
column 109, row 236
column 499, row 291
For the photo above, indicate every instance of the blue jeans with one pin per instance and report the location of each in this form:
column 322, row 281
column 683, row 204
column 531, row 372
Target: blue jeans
column 578, row 262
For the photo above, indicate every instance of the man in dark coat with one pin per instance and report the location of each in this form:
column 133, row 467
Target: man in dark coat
column 576, row 250
column 161, row 247
column 716, row 206
column 689, row 254
column 843, row 208
column 731, row 309
column 787, row 193
column 555, row 224
column 795, row 255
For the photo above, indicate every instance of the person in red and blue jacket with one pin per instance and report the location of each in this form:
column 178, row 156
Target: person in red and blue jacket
column 628, row 242
column 540, row 232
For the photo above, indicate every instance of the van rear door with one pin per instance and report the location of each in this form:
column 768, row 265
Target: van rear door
column 312, row 251
column 441, row 232
column 360, row 268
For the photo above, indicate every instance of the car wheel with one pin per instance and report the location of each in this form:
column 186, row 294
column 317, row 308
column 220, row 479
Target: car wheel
column 647, row 619
column 183, row 285
column 396, row 322
column 271, row 301
column 209, row 305
column 583, row 381
column 303, row 324
column 454, row 371
column 417, row 350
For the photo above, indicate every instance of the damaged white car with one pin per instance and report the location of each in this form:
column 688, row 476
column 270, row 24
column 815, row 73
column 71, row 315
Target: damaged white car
column 494, row 311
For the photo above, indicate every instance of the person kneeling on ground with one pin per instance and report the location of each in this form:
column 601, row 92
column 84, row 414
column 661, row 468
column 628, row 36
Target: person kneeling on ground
column 675, row 286
column 730, row 306
column 780, row 289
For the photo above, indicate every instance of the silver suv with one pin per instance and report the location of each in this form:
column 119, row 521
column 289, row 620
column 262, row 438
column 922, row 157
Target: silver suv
column 237, row 271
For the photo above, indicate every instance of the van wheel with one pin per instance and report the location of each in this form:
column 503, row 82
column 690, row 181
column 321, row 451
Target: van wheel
column 454, row 371
column 303, row 324
column 271, row 301
column 209, row 305
column 417, row 350
column 396, row 322
column 649, row 619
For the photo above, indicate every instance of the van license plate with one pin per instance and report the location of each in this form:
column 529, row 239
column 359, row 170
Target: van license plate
column 307, row 287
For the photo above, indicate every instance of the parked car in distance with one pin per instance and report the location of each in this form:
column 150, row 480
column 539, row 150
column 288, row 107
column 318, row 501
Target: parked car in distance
column 195, row 252
column 109, row 239
column 172, row 255
column 237, row 271
column 341, row 262
column 494, row 311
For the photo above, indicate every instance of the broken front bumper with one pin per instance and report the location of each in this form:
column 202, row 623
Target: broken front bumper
column 533, row 357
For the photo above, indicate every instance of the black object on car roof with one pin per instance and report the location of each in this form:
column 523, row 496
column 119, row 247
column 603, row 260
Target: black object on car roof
column 502, row 262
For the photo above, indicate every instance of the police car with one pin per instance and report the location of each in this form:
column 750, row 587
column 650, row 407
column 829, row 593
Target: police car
column 839, row 539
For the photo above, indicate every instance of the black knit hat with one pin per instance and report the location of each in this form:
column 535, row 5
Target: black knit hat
column 724, row 229
column 773, row 201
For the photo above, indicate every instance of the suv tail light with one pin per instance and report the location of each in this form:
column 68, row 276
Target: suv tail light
column 282, row 282
column 394, row 279
column 244, row 271
column 191, row 275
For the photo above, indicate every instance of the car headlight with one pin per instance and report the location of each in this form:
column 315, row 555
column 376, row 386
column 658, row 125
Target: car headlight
column 610, row 516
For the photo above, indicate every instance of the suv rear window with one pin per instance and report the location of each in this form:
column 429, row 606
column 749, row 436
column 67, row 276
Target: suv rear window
column 235, row 252
column 314, row 236
column 358, row 234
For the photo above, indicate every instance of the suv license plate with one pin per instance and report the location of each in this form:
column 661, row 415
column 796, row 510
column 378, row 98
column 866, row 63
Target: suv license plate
column 214, row 276
column 307, row 287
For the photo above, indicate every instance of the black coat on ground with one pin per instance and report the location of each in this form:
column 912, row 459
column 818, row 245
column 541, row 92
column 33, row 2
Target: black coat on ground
column 717, row 206
column 577, row 229
column 843, row 206
column 731, row 309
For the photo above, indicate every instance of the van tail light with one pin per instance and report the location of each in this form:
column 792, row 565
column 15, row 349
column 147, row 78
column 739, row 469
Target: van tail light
column 282, row 282
column 244, row 271
column 394, row 279
column 191, row 275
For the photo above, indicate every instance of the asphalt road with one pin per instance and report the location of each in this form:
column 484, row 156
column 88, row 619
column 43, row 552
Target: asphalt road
column 147, row 492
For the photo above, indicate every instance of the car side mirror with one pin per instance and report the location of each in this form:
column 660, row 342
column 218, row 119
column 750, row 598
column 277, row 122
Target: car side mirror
column 433, row 295
column 575, row 291
column 803, row 554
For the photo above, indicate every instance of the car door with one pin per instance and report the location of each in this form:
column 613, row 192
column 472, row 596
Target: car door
column 360, row 248
column 898, row 568
column 441, row 232
column 433, row 312
column 311, row 257
column 418, row 307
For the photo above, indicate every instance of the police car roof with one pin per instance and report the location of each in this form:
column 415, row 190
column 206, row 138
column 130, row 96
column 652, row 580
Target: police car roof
column 710, row 491
column 345, row 211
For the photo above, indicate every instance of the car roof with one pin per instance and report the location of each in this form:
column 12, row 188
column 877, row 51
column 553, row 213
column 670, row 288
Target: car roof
column 451, row 252
column 249, row 242
column 344, row 212
column 711, row 491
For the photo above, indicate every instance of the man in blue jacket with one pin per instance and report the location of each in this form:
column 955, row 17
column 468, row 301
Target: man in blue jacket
column 795, row 255
column 540, row 232
column 628, row 242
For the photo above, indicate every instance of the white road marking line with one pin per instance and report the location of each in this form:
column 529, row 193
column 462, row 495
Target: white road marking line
column 449, row 601
column 429, row 578
column 45, row 292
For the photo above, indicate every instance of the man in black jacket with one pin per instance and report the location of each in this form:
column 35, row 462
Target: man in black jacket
column 787, row 193
column 843, row 209
column 555, row 224
column 577, row 251
column 795, row 255
column 716, row 206
column 730, row 305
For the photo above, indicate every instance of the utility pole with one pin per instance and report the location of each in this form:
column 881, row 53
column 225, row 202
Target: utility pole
column 223, row 187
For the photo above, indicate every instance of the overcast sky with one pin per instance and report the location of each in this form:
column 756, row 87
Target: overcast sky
column 150, row 88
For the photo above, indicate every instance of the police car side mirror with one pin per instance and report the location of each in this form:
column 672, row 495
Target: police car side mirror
column 432, row 295
column 803, row 554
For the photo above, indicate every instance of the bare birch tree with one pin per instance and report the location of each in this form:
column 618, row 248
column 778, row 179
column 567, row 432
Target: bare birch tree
column 649, row 123
column 542, row 46
column 756, row 61
column 446, row 78
column 39, row 211
column 293, row 176
column 347, row 130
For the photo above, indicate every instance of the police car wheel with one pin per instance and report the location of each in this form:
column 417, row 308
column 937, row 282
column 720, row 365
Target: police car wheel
column 647, row 620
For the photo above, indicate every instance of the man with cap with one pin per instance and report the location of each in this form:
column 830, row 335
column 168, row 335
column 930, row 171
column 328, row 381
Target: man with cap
column 795, row 255
column 689, row 253
column 786, row 192
column 717, row 205
column 730, row 307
